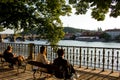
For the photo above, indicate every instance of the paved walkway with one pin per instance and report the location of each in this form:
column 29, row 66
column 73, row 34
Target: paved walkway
column 84, row 74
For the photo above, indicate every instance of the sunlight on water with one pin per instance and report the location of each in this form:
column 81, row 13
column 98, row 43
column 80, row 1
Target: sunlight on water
column 89, row 44
column 77, row 43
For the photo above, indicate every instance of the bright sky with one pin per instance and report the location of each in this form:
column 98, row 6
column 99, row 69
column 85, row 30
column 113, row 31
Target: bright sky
column 8, row 31
column 87, row 22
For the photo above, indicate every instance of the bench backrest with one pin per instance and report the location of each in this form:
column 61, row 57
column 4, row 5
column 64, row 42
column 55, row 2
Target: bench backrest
column 39, row 64
column 59, row 72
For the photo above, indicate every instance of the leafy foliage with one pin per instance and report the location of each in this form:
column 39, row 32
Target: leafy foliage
column 99, row 8
column 42, row 16
column 1, row 28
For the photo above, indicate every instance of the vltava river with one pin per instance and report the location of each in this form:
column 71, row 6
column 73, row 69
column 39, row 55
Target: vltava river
column 79, row 43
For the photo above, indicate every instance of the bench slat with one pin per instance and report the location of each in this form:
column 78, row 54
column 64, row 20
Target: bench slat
column 48, row 66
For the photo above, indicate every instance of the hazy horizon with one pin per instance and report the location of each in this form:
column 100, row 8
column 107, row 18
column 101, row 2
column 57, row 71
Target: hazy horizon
column 87, row 22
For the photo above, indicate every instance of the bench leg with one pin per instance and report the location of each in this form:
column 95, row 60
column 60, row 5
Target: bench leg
column 35, row 71
column 34, row 74
column 40, row 73
column 18, row 69
column 24, row 69
column 21, row 67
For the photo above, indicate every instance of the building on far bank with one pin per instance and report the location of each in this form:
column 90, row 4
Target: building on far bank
column 88, row 38
column 113, row 32
column 68, row 36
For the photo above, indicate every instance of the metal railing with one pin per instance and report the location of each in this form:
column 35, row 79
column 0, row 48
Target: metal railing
column 89, row 57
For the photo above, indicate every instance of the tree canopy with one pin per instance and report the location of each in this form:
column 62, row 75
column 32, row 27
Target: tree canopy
column 1, row 28
column 98, row 7
column 44, row 15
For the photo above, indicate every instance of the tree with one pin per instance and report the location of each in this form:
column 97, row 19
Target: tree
column 40, row 15
column 99, row 8
column 73, row 37
column 105, row 36
column 117, row 38
column 43, row 15
column 1, row 28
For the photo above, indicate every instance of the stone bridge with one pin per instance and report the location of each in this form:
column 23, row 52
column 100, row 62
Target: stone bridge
column 13, row 38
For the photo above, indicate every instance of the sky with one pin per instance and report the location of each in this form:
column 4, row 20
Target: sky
column 8, row 31
column 86, row 22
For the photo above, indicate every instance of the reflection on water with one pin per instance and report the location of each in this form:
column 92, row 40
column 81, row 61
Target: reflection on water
column 89, row 44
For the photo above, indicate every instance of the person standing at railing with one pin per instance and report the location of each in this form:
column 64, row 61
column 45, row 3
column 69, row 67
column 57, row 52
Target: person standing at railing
column 12, row 58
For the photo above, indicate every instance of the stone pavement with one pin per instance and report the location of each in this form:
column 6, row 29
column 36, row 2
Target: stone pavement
column 84, row 74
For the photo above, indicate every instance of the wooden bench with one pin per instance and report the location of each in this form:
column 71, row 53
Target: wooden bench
column 53, row 68
column 4, row 63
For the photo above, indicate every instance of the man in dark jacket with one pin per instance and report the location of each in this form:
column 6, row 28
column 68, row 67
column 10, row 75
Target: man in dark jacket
column 66, row 69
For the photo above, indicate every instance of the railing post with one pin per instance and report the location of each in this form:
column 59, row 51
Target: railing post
column 103, row 59
column 108, row 61
column 112, row 60
column 31, row 51
column 73, row 56
column 95, row 60
column 91, row 57
column 67, row 52
column 87, row 57
column 84, row 57
column 80, row 58
column 99, row 56
column 70, row 56
column 117, row 61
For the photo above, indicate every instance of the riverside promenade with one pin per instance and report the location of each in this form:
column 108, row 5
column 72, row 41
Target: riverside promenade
column 84, row 74
column 91, row 63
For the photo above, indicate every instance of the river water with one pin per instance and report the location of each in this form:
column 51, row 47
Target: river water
column 79, row 43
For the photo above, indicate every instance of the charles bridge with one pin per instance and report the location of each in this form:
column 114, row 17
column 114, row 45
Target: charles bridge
column 13, row 38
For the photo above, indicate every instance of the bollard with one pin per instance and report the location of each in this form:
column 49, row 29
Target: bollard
column 31, row 51
column 1, row 39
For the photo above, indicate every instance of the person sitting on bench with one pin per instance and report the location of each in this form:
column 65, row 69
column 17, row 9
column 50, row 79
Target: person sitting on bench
column 42, row 57
column 64, row 65
column 11, row 58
